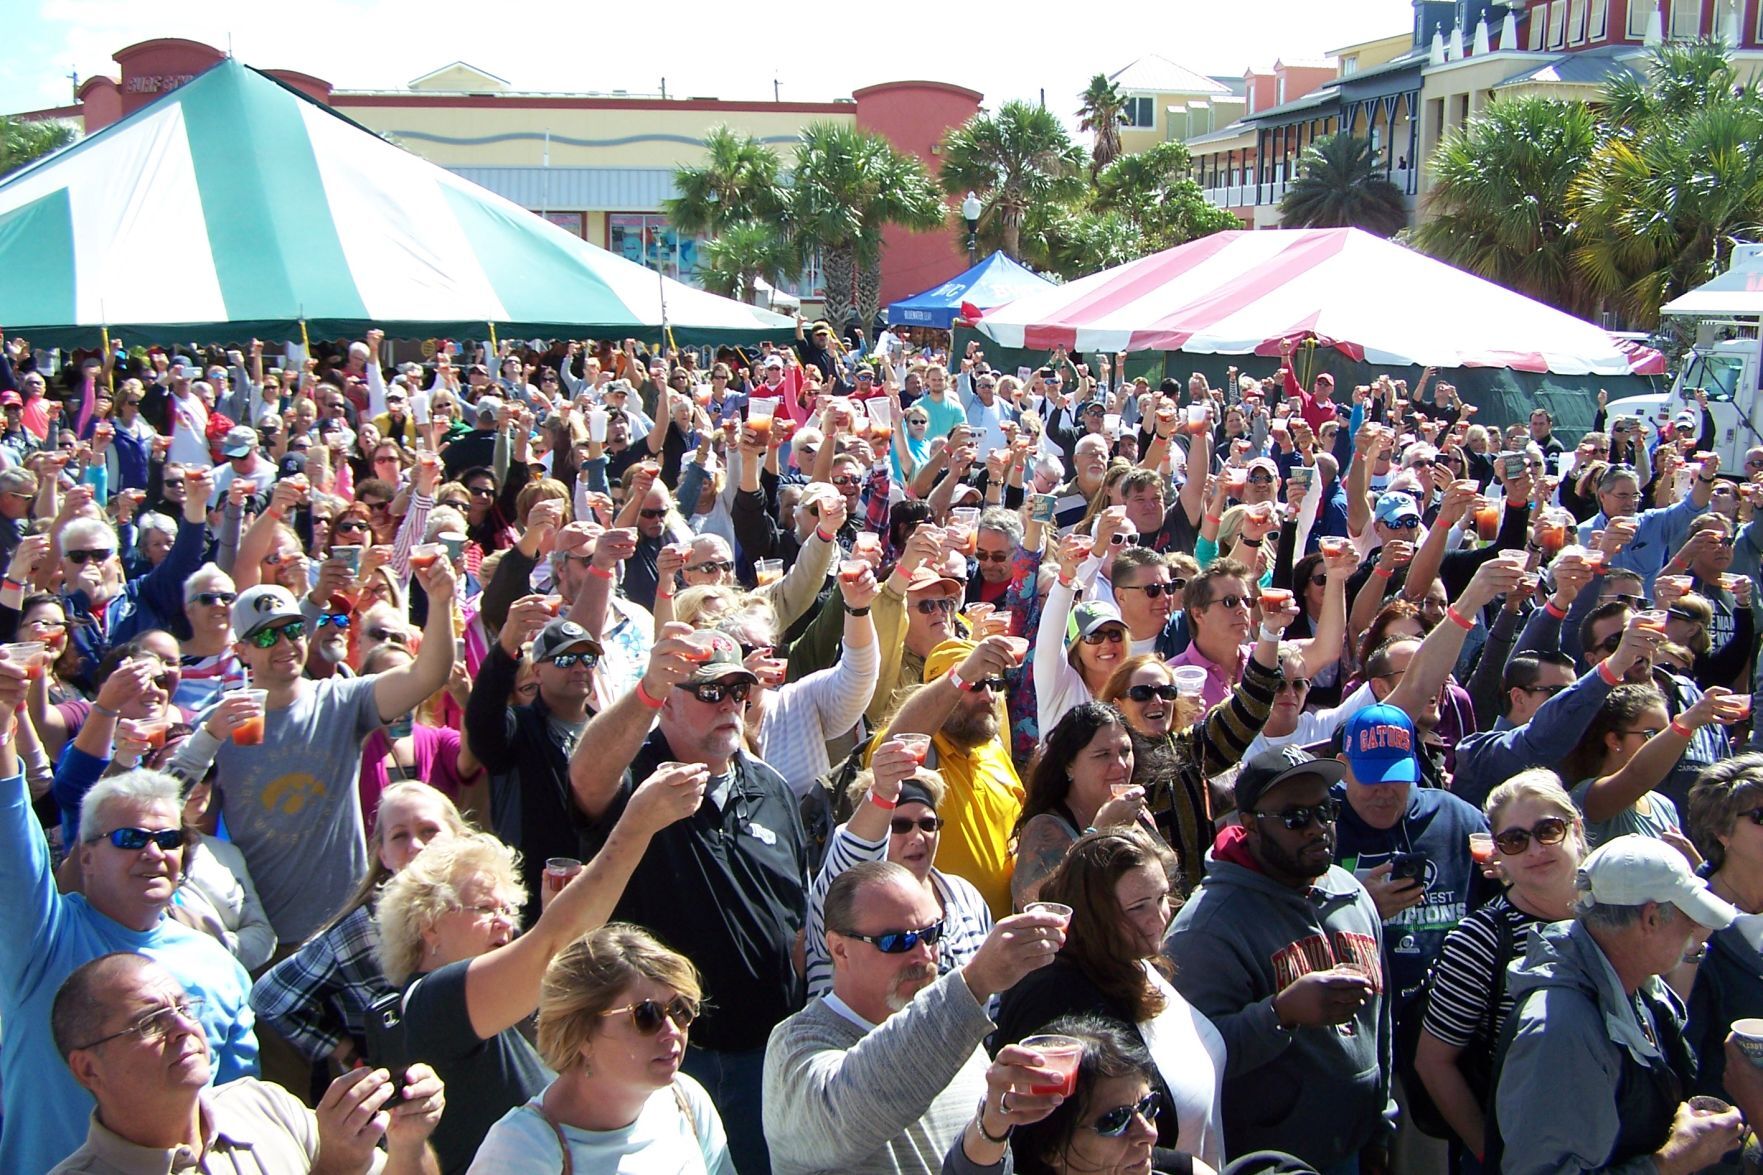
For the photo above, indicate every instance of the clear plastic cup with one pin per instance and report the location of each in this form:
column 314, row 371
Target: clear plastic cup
column 917, row 744
column 1190, row 680
column 426, row 555
column 768, row 571
column 558, row 873
column 1481, row 847
column 249, row 733
column 1062, row 1054
column 33, row 655
column 1058, row 910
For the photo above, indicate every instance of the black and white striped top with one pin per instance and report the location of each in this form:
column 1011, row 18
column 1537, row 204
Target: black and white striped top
column 1463, row 980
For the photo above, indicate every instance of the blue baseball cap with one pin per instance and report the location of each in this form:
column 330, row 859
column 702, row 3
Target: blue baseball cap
column 1397, row 506
column 1380, row 742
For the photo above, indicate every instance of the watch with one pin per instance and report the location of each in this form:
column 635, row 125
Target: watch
column 850, row 611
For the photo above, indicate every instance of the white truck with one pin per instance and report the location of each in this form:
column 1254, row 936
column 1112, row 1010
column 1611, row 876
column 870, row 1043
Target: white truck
column 1726, row 360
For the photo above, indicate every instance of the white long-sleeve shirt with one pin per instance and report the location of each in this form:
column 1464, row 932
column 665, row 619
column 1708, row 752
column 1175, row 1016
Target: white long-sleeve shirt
column 801, row 716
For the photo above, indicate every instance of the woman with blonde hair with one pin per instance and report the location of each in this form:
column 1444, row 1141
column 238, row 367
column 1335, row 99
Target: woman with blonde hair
column 703, row 606
column 317, row 998
column 1538, row 842
column 448, row 928
column 615, row 1010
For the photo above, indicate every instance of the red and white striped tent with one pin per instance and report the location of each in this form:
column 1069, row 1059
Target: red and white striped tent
column 1240, row 293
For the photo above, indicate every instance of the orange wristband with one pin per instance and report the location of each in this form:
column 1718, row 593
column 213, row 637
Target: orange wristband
column 648, row 699
column 1680, row 730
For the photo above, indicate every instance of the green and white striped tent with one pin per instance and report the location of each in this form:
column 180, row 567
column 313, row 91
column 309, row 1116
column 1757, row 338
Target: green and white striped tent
column 235, row 207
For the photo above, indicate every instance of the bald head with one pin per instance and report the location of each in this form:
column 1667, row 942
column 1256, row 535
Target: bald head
column 85, row 999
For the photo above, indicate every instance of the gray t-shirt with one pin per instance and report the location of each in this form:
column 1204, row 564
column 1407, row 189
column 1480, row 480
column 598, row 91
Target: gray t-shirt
column 293, row 803
column 1652, row 815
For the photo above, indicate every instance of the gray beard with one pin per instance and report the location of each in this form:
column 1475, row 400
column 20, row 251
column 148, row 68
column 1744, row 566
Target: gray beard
column 332, row 652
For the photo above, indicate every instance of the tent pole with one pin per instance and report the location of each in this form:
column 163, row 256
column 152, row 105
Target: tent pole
column 109, row 363
column 494, row 346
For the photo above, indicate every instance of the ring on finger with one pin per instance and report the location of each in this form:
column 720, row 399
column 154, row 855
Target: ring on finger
column 1004, row 1102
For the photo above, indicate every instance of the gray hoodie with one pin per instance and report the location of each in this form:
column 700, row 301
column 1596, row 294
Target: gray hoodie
column 1319, row 1093
column 1556, row 1102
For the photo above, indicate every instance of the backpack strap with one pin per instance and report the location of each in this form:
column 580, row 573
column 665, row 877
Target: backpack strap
column 679, row 1098
column 1506, row 947
column 538, row 1107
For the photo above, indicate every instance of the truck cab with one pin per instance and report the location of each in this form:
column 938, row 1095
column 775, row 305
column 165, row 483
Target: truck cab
column 1728, row 370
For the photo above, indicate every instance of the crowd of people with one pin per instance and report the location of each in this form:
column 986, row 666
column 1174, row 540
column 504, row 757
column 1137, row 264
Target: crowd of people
column 850, row 757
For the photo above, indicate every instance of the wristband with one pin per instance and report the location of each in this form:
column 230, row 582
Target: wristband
column 850, row 611
column 1608, row 674
column 884, row 805
column 1066, row 581
column 661, row 595
column 101, row 708
column 954, row 679
column 12, row 583
column 1383, row 572
column 1214, row 519
column 1458, row 619
column 1248, row 542
column 1554, row 610
column 1271, row 634
column 600, row 573
column 1681, row 730
column 648, row 699
column 979, row 1120
column 825, row 537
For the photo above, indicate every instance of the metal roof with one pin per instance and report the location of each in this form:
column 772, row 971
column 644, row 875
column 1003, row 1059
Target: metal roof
column 605, row 189
column 1591, row 68
column 1159, row 75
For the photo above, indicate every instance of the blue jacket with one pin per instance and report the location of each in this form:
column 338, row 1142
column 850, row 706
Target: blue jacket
column 152, row 601
column 1488, row 758
column 1658, row 533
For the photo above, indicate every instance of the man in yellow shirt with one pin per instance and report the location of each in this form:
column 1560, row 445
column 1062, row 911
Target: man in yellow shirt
column 960, row 707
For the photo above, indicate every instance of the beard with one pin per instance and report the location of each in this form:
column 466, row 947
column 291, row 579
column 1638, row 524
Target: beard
column 970, row 728
column 917, row 977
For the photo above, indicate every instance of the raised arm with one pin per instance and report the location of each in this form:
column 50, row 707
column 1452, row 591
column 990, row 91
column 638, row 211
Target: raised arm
column 614, row 735
column 1437, row 655
column 1652, row 764
column 398, row 691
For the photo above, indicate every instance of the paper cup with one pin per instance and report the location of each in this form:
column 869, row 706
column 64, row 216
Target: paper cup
column 1748, row 1033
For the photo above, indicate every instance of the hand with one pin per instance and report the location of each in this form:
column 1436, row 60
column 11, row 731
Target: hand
column 542, row 522
column 1017, row 945
column 437, row 580
column 1716, row 705
column 333, row 577
column 1392, row 895
column 1008, row 1081
column 1617, row 535
column 893, row 763
column 1395, row 553
column 669, row 664
column 458, row 685
column 1456, row 503
column 1283, row 617
column 1637, row 644
column 1496, row 577
column 127, row 683
column 1698, row 1140
column 377, row 556
column 672, row 793
column 1571, row 575
column 1322, row 998
column 669, row 562
column 614, row 547
column 415, row 1118
column 350, row 1121
column 991, row 657
column 1122, row 809
column 1112, row 522
column 229, row 712
column 1074, row 548
column 31, row 555
column 285, row 498
column 925, row 544
column 832, row 512
column 860, row 592
column 526, row 616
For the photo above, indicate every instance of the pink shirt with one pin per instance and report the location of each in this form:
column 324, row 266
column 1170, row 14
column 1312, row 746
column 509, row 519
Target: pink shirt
column 1220, row 679
column 436, row 755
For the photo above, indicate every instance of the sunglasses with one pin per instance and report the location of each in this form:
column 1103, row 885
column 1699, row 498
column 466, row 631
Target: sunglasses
column 1550, row 830
column 1302, row 816
column 571, row 660
column 1115, row 1122
column 1228, row 602
column 847, row 483
column 84, row 556
column 1609, row 643
column 351, row 524
column 900, row 825
column 380, row 633
column 1113, row 634
column 266, row 638
column 1151, row 590
column 898, row 942
column 648, row 1015
column 1405, row 524
column 212, row 598
column 946, row 605
column 334, row 619
column 995, row 684
column 713, row 692
column 991, row 556
column 133, row 840
column 1261, row 479
column 481, row 491
column 714, row 566
column 651, row 515
column 1144, row 693
column 1296, row 684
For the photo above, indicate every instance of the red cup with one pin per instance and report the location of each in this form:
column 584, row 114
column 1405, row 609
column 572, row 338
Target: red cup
column 558, row 872
column 1274, row 599
column 1062, row 1054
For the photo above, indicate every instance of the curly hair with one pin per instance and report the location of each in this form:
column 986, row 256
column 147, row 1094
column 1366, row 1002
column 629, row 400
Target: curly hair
column 415, row 899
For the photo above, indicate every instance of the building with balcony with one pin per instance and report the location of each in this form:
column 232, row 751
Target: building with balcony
column 1161, row 98
column 596, row 164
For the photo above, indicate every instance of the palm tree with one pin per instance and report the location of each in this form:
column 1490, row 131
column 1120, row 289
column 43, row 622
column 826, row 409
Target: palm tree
column 742, row 253
column 1675, row 182
column 738, row 180
column 1101, row 113
column 1014, row 159
column 1341, row 185
column 847, row 186
column 24, row 141
column 1499, row 201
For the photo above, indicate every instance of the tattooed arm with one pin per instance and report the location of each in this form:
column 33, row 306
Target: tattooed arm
column 1042, row 845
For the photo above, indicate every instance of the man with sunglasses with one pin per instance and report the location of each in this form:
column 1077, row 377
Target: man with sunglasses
column 1707, row 556
column 131, row 853
column 1659, row 531
column 1282, row 950
column 530, row 745
column 129, row 1032
column 730, row 882
column 883, row 1072
column 915, row 613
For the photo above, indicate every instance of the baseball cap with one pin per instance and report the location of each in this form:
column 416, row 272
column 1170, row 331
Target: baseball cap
column 259, row 607
column 1323, row 377
column 946, row 656
column 560, row 636
column 776, row 361
column 724, row 662
column 928, row 576
column 1087, row 617
column 11, row 400
column 487, row 409
column 1632, row 870
column 239, row 442
column 1262, row 773
column 1379, row 744
column 1686, row 420
column 1397, row 506
column 1095, row 406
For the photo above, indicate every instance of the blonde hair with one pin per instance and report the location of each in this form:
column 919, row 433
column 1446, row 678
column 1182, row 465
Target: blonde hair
column 705, row 604
column 1544, row 787
column 377, row 873
column 415, row 899
column 588, row 975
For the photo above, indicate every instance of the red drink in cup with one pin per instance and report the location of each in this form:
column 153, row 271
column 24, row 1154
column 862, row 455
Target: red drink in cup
column 426, row 555
column 701, row 646
column 558, row 873
column 1274, row 599
column 33, row 655
column 249, row 733
column 851, row 570
column 1594, row 560
column 1332, row 546
column 1652, row 620
column 1487, row 519
column 1481, row 847
column 1061, row 1054
column 1551, row 537
column 1018, row 648
column 868, row 544
column 918, row 745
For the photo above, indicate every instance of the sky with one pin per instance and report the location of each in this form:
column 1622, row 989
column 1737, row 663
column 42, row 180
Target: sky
column 704, row 48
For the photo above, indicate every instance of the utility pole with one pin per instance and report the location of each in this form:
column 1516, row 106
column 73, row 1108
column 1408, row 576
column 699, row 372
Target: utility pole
column 776, row 93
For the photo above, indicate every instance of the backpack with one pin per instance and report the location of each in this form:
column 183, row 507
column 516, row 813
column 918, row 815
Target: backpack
column 1477, row 1063
column 824, row 807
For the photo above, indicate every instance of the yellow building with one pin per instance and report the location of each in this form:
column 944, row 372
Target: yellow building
column 1159, row 95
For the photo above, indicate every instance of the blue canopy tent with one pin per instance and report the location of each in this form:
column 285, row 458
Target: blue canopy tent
column 991, row 283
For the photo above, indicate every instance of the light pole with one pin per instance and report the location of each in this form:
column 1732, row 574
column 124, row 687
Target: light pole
column 970, row 209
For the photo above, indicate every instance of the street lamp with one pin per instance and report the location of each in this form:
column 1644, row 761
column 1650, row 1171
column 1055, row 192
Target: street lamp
column 970, row 209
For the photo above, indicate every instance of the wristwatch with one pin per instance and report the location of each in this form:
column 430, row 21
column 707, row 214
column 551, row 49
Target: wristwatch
column 850, row 611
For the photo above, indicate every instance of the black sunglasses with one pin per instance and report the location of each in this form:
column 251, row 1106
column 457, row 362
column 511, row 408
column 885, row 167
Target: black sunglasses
column 133, row 840
column 1550, row 690
column 1227, row 601
column 713, row 692
column 1115, row 1122
column 717, row 566
column 1301, row 816
column 1111, row 633
column 653, row 514
column 1609, row 643
column 1550, row 830
column 212, row 598
column 84, row 556
column 995, row 684
column 991, row 556
column 898, row 942
column 571, row 660
column 647, row 1016
column 932, row 607
column 900, row 825
column 1151, row 590
column 1144, row 693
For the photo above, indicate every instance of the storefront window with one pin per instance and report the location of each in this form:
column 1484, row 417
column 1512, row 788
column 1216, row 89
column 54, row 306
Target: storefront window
column 648, row 239
column 569, row 222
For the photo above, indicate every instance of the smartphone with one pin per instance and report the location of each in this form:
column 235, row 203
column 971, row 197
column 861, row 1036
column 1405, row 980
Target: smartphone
column 1046, row 508
column 1410, row 866
column 1511, row 464
column 387, row 1046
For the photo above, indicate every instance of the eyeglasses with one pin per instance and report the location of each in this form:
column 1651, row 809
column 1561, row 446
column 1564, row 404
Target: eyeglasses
column 333, row 619
column 1302, row 816
column 713, row 566
column 1151, row 590
column 847, row 483
column 571, row 660
column 946, row 605
column 648, row 1015
column 1228, row 602
column 1295, row 684
column 1144, row 693
column 133, row 840
column 212, row 598
column 350, row 524
column 156, row 1025
column 1549, row 690
column 384, row 504
column 995, row 684
column 991, row 556
column 1550, row 830
column 507, row 911
column 900, row 825
column 1112, row 634
column 1115, row 1122
column 712, row 693
column 84, row 556
column 898, row 942
column 266, row 638
column 456, row 504
column 481, row 491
